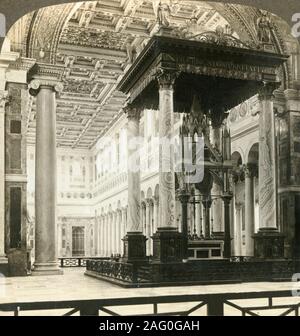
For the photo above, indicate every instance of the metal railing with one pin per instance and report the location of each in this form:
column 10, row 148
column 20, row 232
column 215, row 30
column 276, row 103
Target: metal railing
column 77, row 261
column 215, row 304
column 113, row 269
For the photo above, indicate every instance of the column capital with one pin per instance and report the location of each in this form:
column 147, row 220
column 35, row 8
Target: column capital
column 266, row 91
column 166, row 79
column 156, row 200
column 251, row 170
column 149, row 202
column 36, row 84
column 4, row 99
column 132, row 112
column 227, row 198
column 46, row 75
column 217, row 118
column 183, row 196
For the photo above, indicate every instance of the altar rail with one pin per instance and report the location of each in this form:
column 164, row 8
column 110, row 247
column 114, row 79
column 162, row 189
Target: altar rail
column 239, row 269
column 214, row 303
column 127, row 273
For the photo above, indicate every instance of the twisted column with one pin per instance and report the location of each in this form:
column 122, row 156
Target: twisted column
column 269, row 243
column 134, row 241
column 167, row 241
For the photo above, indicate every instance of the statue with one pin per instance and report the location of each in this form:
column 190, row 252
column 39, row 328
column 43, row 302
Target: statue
column 163, row 14
column 264, row 27
column 131, row 53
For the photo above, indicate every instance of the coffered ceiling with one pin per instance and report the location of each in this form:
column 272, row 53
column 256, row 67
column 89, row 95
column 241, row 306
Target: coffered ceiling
column 95, row 45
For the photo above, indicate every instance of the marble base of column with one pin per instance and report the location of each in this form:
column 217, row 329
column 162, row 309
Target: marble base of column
column 50, row 268
column 167, row 245
column 134, row 248
column 3, row 259
column 3, row 265
column 269, row 244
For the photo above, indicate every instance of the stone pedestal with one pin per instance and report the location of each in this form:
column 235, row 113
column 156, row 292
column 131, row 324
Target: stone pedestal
column 19, row 262
column 134, row 247
column 269, row 244
column 167, row 245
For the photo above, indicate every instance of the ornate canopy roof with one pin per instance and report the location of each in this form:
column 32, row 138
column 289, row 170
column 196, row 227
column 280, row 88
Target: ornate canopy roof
column 222, row 71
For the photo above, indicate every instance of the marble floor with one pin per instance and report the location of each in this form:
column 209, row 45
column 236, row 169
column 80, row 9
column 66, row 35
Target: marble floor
column 74, row 285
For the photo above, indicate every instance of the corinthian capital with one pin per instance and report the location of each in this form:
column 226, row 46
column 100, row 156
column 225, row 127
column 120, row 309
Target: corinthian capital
column 166, row 79
column 132, row 112
column 251, row 170
column 4, row 99
column 266, row 91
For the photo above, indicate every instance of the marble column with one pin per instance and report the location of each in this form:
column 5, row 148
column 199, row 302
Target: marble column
column 113, row 232
column 207, row 203
column 167, row 241
column 269, row 243
column 227, row 198
column 148, row 226
column 184, row 199
column 134, row 241
column 96, row 235
column 198, row 215
column 151, row 227
column 250, row 171
column 118, row 237
column 155, row 213
column 45, row 177
column 238, row 230
column 3, row 100
column 109, row 233
column 100, row 237
column 166, row 155
column 123, row 228
column 216, row 192
column 105, row 235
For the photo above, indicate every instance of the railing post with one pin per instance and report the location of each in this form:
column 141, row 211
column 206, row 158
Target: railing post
column 215, row 306
column 17, row 311
column 89, row 310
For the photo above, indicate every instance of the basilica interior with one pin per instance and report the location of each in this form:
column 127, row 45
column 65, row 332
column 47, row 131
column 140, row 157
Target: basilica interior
column 79, row 80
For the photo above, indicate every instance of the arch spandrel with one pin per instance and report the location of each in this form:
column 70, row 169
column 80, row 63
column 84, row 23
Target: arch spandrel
column 45, row 31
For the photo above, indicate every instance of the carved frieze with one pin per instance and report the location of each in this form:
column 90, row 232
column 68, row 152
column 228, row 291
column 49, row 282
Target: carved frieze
column 87, row 37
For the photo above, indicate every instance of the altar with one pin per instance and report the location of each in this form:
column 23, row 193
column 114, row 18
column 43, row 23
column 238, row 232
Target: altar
column 201, row 77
